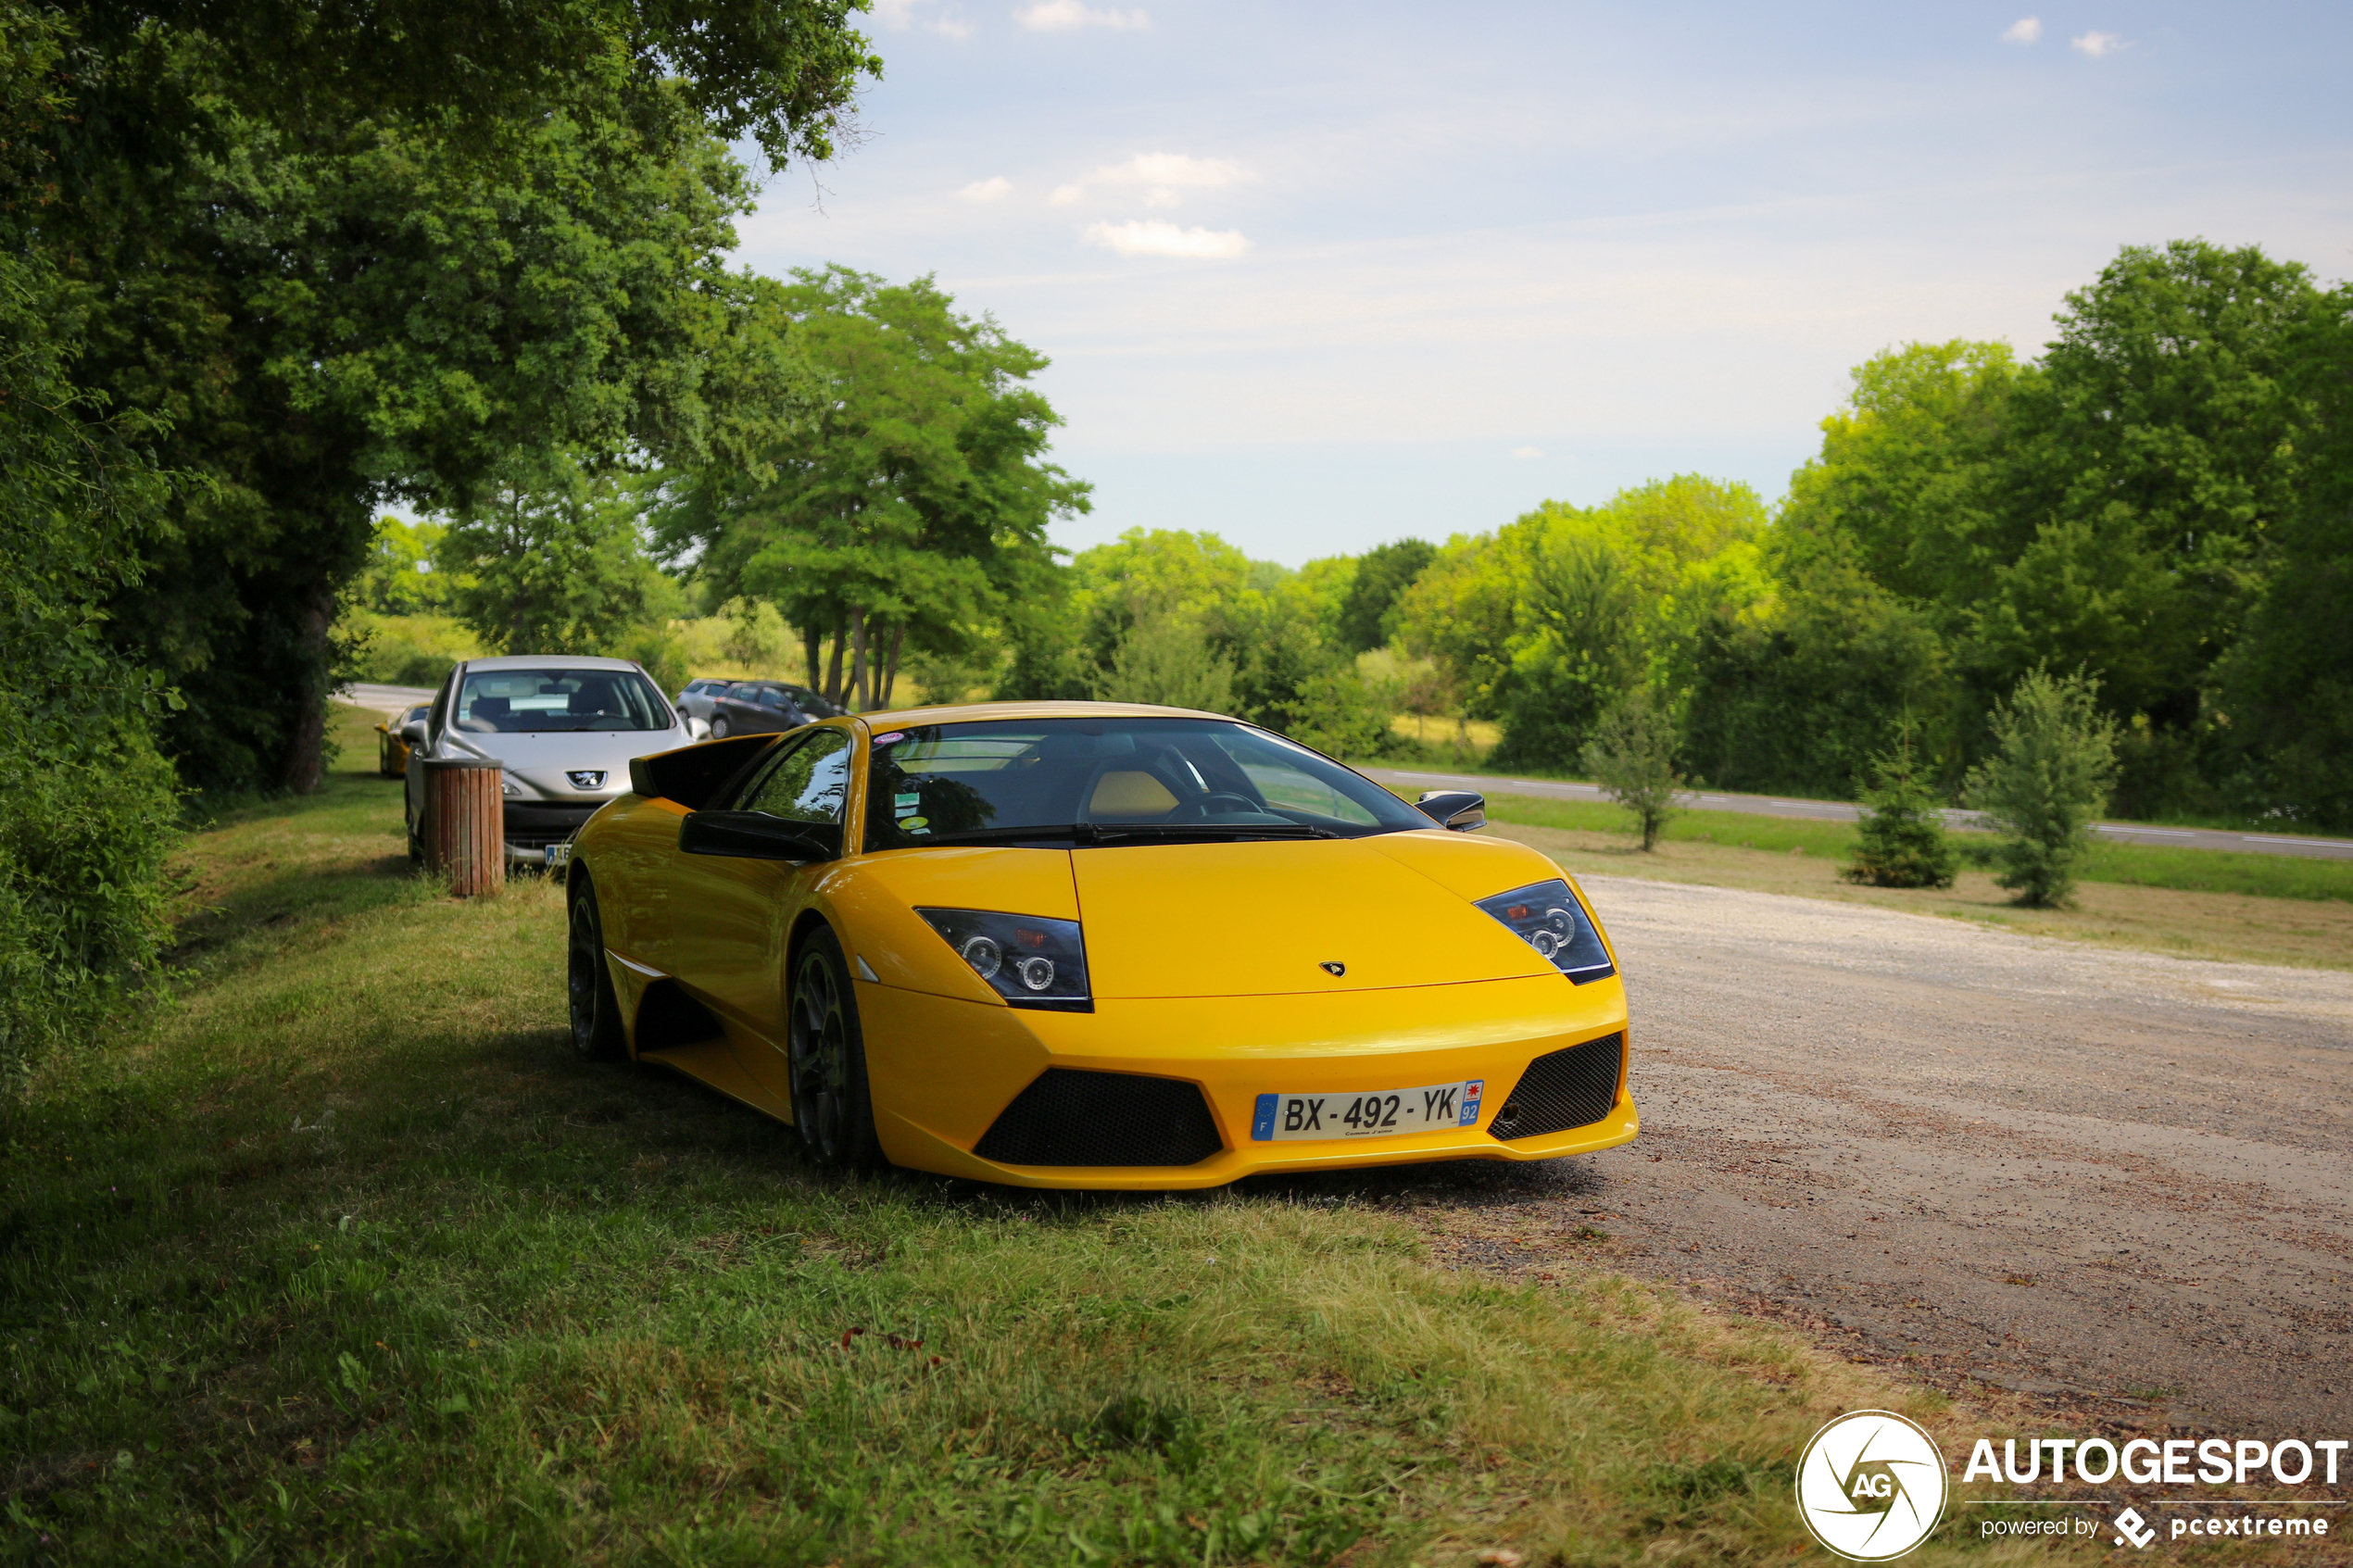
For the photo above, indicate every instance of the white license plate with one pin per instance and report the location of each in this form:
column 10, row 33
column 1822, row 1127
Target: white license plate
column 1373, row 1114
column 560, row 854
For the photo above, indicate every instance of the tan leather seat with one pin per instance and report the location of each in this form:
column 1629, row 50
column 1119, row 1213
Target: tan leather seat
column 1127, row 794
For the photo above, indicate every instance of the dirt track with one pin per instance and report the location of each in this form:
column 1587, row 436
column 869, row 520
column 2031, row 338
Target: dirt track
column 2116, row 1179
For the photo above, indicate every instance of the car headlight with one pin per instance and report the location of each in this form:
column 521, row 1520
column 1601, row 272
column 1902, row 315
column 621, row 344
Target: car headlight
column 1547, row 915
column 1029, row 960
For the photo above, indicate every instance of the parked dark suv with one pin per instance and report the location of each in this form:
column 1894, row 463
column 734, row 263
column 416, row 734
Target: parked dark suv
column 758, row 707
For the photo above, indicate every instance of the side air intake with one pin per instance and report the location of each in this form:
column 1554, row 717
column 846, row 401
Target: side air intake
column 1564, row 1090
column 1067, row 1117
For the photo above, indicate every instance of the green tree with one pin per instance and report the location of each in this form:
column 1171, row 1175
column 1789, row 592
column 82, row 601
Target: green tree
column 2162, row 448
column 913, row 504
column 1367, row 611
column 2286, row 685
column 1900, row 841
column 86, row 802
column 2045, row 786
column 1631, row 755
column 1550, row 619
column 399, row 577
column 335, row 288
column 554, row 561
column 1166, row 659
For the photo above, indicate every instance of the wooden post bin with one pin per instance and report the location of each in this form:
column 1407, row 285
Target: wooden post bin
column 465, row 823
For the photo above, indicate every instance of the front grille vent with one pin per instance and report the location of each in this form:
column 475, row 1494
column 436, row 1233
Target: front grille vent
column 1564, row 1090
column 1067, row 1117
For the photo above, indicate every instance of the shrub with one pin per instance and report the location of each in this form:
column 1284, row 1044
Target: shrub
column 2053, row 762
column 86, row 802
column 1631, row 755
column 1166, row 659
column 1900, row 842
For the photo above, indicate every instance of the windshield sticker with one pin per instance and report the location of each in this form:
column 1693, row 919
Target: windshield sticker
column 885, row 740
column 917, row 824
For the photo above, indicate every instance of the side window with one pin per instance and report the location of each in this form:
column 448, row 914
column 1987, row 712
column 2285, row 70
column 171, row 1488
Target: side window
column 441, row 703
column 811, row 784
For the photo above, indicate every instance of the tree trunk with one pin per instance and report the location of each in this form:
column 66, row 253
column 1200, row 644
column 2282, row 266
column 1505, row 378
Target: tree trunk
column 833, row 676
column 890, row 673
column 812, row 643
column 304, row 761
column 858, row 659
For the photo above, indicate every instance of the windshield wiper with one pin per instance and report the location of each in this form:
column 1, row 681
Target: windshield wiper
column 1107, row 833
column 1278, row 828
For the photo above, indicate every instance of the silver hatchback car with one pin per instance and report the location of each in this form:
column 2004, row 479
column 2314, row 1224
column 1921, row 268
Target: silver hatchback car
column 564, row 729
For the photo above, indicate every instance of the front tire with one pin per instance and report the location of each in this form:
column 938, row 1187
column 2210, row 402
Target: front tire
column 831, row 1105
column 596, row 1011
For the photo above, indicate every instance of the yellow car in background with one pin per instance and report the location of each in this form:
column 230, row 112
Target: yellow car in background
column 392, row 751
column 1090, row 944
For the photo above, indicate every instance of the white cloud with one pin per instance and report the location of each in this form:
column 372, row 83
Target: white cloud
column 2026, row 30
column 900, row 15
column 987, row 190
column 1165, row 173
column 1173, row 168
column 2098, row 43
column 1062, row 16
column 1525, row 452
column 1154, row 237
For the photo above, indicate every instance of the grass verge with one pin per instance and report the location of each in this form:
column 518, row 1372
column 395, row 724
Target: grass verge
column 346, row 1259
column 1776, row 854
column 2126, row 865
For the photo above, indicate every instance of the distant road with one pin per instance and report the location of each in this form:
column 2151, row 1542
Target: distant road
column 1840, row 811
column 390, row 699
column 383, row 699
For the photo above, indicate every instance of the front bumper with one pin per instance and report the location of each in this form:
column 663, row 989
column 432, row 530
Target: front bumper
column 533, row 827
column 943, row 1070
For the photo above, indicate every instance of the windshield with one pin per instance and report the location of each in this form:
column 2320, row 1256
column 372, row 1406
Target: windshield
column 1112, row 781
column 538, row 701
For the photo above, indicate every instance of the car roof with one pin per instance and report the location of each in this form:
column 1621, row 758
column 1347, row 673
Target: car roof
column 971, row 712
column 548, row 661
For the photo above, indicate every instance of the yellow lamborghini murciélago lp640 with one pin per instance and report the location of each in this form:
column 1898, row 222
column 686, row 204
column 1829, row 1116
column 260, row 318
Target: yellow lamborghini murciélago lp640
column 1092, row 945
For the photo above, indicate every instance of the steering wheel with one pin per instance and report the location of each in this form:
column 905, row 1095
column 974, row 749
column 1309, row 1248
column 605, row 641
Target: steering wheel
column 1199, row 811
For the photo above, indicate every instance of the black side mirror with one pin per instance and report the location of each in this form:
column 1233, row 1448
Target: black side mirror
column 1457, row 809
column 756, row 835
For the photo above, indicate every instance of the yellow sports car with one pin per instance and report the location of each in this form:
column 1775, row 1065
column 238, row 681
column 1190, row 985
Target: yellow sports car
column 392, row 751
column 1092, row 945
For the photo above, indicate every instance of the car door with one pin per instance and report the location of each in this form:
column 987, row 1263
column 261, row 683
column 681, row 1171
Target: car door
column 732, row 915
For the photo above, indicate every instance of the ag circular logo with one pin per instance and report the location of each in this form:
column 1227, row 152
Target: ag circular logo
column 1872, row 1486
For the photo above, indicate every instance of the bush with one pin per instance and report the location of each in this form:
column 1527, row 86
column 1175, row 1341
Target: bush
column 406, row 650
column 87, row 801
column 1631, row 755
column 1900, row 841
column 2053, row 763
column 1166, row 659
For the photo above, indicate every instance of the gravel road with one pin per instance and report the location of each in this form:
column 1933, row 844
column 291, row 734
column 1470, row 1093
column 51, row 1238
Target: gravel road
column 2117, row 1180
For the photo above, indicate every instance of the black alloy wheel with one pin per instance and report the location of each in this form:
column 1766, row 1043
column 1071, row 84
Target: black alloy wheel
column 596, row 1011
column 830, row 1103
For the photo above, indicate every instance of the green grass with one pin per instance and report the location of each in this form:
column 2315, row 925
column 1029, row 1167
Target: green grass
column 346, row 1259
column 1455, row 760
column 2188, row 871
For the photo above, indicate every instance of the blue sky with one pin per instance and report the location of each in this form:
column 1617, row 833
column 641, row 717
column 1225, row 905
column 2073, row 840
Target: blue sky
column 1315, row 276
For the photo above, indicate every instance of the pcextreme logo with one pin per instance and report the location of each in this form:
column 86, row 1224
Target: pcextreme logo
column 1871, row 1485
